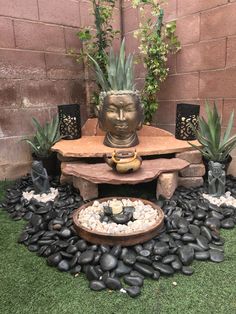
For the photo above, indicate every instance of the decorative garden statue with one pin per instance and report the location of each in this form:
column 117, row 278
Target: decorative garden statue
column 120, row 116
column 39, row 177
column 120, row 112
column 216, row 179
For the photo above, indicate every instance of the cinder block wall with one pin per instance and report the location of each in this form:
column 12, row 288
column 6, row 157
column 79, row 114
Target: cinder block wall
column 35, row 73
column 205, row 68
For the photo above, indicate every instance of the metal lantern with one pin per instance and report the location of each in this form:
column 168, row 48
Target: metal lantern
column 186, row 115
column 69, row 119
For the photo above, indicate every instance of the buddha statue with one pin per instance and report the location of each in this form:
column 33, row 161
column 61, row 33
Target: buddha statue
column 216, row 179
column 120, row 115
column 39, row 177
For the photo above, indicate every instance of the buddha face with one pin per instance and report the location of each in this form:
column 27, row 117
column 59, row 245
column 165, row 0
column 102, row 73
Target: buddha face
column 121, row 115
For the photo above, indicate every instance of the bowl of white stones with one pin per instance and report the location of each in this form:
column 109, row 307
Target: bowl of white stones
column 118, row 221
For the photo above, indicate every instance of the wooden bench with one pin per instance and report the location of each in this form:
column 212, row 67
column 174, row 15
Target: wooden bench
column 86, row 177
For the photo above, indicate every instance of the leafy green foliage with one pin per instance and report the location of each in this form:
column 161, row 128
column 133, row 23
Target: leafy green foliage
column 214, row 146
column 95, row 43
column 45, row 137
column 118, row 74
column 157, row 41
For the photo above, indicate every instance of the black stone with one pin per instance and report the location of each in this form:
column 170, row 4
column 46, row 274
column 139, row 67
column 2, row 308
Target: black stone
column 160, row 248
column 216, row 247
column 76, row 270
column 176, row 265
column 113, row 283
column 145, row 253
column 54, row 259
column 212, row 223
column 156, row 275
column 92, row 273
column 203, row 242
column 71, row 249
column 33, row 247
column 129, row 258
column 206, row 232
column 23, row 237
column 186, row 270
column 188, row 237
column 108, row 262
column 227, row 223
column 186, row 254
column 63, row 265
column 97, row 285
column 116, row 250
column 122, row 218
column 65, row 233
column 216, row 256
column 81, row 245
column 135, row 273
column 144, row 269
column 196, row 247
column 138, row 248
column 202, row 256
column 133, row 291
column 169, row 259
column 195, row 230
column 122, row 269
column 133, row 280
column 144, row 260
column 217, row 215
column 86, row 257
column 163, row 268
column 104, row 248
column 36, row 220
column 200, row 214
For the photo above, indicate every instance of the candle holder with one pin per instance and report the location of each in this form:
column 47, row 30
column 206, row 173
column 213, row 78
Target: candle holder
column 69, row 119
column 186, row 115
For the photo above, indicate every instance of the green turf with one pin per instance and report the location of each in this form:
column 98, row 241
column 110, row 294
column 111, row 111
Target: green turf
column 28, row 285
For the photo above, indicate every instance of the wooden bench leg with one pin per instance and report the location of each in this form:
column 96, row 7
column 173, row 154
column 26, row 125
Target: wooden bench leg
column 88, row 190
column 166, row 184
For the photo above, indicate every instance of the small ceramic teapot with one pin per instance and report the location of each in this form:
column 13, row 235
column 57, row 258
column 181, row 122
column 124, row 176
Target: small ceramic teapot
column 124, row 161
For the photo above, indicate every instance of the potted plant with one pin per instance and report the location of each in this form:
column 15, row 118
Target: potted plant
column 120, row 112
column 215, row 147
column 45, row 137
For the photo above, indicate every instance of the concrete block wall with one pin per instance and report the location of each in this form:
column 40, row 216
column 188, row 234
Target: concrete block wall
column 35, row 73
column 205, row 68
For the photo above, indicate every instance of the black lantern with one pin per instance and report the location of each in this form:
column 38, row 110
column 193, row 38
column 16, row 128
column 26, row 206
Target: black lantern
column 69, row 119
column 186, row 115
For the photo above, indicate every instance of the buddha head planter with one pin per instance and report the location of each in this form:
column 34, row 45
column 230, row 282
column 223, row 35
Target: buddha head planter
column 120, row 115
column 120, row 111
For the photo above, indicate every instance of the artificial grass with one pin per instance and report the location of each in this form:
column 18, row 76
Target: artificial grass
column 28, row 285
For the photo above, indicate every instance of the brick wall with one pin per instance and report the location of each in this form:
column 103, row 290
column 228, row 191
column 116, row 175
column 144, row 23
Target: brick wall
column 205, row 68
column 35, row 73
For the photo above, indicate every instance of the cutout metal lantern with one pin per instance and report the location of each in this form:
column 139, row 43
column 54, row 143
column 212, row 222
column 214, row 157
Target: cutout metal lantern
column 186, row 114
column 69, row 119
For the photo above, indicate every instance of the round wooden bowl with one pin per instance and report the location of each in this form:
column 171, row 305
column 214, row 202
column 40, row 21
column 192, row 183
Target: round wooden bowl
column 124, row 240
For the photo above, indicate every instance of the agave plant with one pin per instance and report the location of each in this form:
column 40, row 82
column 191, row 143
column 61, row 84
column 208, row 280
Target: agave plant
column 45, row 137
column 215, row 147
column 119, row 71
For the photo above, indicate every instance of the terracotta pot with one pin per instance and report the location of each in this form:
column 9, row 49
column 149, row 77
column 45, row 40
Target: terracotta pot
column 51, row 164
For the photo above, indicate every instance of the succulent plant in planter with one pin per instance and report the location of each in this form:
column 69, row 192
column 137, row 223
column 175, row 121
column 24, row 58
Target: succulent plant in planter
column 120, row 112
column 45, row 137
column 215, row 147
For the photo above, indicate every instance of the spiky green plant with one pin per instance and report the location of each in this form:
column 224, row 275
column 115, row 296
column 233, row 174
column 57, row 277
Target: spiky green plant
column 214, row 146
column 119, row 71
column 45, row 137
